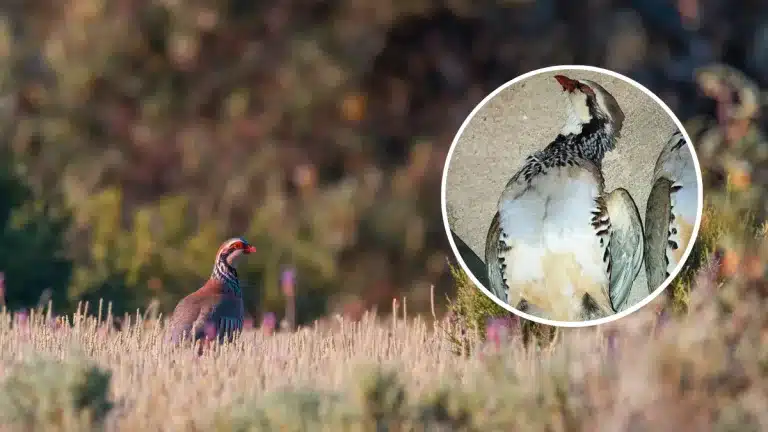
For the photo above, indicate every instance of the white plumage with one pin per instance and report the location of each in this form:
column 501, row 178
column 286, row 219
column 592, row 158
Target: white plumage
column 554, row 217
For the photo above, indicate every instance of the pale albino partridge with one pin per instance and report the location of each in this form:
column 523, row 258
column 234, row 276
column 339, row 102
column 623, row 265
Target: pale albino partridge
column 218, row 305
column 670, row 214
column 559, row 247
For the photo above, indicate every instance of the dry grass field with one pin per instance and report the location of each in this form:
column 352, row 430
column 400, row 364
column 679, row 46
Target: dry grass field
column 704, row 370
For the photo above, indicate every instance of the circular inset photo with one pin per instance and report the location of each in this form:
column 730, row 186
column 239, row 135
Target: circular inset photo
column 571, row 196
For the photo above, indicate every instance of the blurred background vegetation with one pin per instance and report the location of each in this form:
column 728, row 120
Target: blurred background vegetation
column 136, row 135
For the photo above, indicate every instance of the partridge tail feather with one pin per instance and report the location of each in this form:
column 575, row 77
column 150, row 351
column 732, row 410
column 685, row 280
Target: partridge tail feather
column 625, row 245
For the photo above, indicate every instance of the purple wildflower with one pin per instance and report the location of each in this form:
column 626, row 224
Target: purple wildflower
column 22, row 318
column 499, row 329
column 288, row 282
column 247, row 323
column 269, row 322
column 2, row 289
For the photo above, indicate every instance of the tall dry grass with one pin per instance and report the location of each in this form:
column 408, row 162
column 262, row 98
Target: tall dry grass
column 707, row 370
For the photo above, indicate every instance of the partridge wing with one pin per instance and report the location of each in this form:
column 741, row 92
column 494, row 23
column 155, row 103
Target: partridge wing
column 672, row 208
column 495, row 261
column 658, row 213
column 184, row 317
column 625, row 246
column 684, row 198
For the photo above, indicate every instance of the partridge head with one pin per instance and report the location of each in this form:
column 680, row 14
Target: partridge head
column 228, row 258
column 591, row 109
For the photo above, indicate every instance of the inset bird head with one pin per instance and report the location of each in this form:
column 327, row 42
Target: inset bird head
column 590, row 102
column 233, row 249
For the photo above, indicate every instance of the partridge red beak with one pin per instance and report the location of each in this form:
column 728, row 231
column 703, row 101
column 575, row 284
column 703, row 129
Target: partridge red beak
column 250, row 249
column 568, row 84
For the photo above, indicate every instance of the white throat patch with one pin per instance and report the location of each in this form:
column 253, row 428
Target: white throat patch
column 234, row 258
column 578, row 113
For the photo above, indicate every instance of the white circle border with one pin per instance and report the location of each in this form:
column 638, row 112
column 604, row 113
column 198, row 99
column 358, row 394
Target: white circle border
column 650, row 297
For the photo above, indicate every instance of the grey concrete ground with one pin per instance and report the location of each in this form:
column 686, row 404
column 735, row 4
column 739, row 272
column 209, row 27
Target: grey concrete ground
column 525, row 117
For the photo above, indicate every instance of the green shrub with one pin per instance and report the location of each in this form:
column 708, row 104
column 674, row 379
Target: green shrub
column 446, row 409
column 32, row 240
column 472, row 310
column 51, row 395
column 710, row 233
column 289, row 410
column 379, row 396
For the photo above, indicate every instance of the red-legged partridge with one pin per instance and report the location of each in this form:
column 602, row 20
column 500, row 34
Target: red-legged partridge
column 218, row 304
column 559, row 247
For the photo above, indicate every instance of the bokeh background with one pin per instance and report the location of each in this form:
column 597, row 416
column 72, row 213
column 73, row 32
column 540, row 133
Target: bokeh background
column 139, row 134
